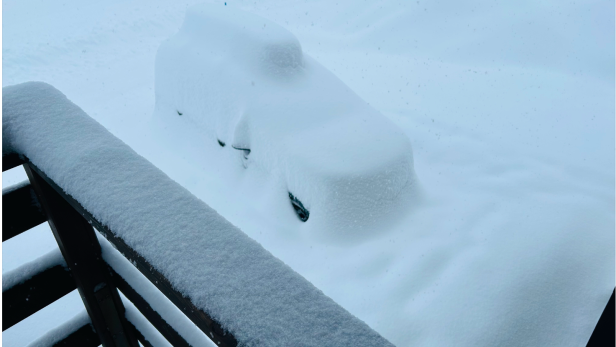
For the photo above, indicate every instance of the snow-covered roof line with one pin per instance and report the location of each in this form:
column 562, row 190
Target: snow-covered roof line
column 252, row 294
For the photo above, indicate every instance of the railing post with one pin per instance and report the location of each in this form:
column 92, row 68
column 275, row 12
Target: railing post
column 82, row 252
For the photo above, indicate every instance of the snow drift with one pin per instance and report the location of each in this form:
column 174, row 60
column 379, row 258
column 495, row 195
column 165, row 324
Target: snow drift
column 236, row 81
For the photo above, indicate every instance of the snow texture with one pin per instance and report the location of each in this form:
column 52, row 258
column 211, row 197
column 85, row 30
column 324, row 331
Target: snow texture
column 255, row 296
column 234, row 78
column 58, row 334
column 27, row 270
column 149, row 332
column 157, row 300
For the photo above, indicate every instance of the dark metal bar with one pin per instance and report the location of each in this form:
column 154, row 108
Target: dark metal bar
column 12, row 160
column 201, row 319
column 82, row 252
column 148, row 312
column 85, row 336
column 21, row 211
column 140, row 336
column 603, row 335
column 25, row 299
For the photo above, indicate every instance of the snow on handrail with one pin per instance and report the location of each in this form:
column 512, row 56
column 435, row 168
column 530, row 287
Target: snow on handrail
column 225, row 274
column 29, row 269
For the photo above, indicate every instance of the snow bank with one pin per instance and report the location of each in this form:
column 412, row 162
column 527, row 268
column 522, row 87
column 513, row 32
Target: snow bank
column 26, row 271
column 255, row 296
column 238, row 81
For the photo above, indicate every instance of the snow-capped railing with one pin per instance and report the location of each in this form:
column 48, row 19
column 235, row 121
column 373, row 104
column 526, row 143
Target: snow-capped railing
column 231, row 288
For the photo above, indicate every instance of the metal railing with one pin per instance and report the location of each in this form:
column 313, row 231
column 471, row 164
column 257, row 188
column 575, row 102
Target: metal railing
column 208, row 264
column 72, row 226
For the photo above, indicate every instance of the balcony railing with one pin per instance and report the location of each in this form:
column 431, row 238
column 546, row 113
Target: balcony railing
column 82, row 178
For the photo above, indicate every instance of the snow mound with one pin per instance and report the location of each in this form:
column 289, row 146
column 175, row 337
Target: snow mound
column 235, row 80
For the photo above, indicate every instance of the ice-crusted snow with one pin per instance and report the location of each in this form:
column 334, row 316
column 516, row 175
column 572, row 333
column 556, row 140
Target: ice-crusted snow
column 232, row 77
column 58, row 334
column 255, row 296
column 29, row 269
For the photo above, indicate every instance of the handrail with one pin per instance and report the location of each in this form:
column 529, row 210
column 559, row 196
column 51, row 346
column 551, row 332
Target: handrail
column 82, row 252
column 227, row 284
column 201, row 319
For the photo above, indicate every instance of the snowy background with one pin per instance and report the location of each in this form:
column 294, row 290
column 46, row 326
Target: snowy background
column 509, row 108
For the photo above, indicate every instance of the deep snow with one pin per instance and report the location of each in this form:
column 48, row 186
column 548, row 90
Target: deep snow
column 235, row 80
column 510, row 110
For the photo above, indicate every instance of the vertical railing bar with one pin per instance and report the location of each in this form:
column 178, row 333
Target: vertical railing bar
column 140, row 336
column 82, row 252
column 202, row 320
column 148, row 312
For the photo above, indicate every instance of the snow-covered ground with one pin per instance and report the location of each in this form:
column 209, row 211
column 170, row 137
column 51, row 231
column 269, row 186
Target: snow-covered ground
column 509, row 108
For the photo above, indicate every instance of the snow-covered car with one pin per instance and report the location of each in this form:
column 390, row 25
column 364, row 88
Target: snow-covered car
column 244, row 84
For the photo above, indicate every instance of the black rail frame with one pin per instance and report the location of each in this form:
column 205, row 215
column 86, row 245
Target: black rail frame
column 73, row 227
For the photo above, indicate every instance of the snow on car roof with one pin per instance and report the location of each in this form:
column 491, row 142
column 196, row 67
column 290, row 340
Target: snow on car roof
column 233, row 77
